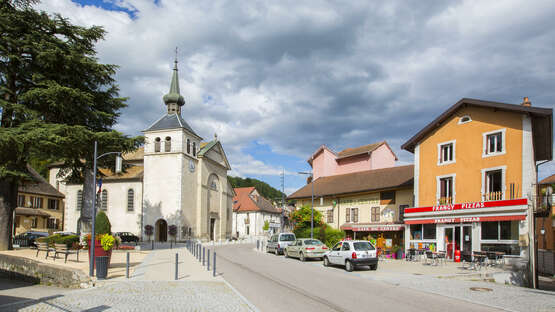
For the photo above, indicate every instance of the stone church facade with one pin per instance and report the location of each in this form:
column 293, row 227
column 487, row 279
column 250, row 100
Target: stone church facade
column 174, row 179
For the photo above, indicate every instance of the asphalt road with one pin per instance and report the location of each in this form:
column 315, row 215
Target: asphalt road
column 274, row 283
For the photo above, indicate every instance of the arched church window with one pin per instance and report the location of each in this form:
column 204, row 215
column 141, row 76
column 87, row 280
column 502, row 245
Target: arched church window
column 188, row 146
column 104, row 200
column 79, row 200
column 194, row 149
column 130, row 199
column 157, row 145
column 168, row 144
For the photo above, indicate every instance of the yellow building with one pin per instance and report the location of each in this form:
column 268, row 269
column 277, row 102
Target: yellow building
column 475, row 176
column 363, row 203
column 40, row 207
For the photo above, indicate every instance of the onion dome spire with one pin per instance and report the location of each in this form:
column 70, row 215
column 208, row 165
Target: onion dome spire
column 174, row 100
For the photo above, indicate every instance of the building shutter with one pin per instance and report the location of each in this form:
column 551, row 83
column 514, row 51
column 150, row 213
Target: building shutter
column 348, row 215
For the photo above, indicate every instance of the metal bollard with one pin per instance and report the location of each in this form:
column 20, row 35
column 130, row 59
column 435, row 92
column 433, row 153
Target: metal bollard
column 208, row 260
column 152, row 244
column 127, row 266
column 257, row 244
column 214, row 266
column 203, row 252
column 176, row 263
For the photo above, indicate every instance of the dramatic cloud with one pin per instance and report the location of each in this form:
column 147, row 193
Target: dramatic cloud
column 293, row 76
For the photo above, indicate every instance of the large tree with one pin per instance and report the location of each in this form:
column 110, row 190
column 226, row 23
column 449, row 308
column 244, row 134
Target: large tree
column 56, row 100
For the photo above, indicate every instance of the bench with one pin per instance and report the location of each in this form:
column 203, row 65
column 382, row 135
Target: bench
column 63, row 249
column 43, row 246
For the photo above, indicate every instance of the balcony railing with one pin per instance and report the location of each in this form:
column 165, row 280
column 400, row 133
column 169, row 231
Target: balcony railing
column 445, row 200
column 492, row 196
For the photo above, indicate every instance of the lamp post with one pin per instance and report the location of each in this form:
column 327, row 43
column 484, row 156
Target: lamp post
column 93, row 234
column 312, row 206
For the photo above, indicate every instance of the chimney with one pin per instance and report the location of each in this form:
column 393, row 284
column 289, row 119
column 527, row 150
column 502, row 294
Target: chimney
column 526, row 102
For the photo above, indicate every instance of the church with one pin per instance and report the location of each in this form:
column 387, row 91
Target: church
column 176, row 179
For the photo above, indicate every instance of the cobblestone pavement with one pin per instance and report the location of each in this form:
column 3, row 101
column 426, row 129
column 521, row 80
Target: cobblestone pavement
column 142, row 296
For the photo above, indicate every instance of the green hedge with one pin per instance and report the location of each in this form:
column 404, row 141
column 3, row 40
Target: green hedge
column 325, row 234
column 69, row 240
column 102, row 224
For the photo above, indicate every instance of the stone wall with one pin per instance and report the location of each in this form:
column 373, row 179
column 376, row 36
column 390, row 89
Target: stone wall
column 20, row 268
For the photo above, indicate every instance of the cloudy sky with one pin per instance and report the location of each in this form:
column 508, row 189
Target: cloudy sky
column 276, row 79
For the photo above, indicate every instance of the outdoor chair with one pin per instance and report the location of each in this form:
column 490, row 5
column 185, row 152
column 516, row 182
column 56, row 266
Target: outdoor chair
column 63, row 249
column 441, row 256
column 43, row 247
column 491, row 258
column 431, row 256
column 411, row 255
column 466, row 257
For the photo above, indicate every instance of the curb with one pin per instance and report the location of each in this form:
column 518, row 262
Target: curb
column 251, row 306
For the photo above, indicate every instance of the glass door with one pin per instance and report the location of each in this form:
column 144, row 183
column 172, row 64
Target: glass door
column 466, row 239
column 449, row 242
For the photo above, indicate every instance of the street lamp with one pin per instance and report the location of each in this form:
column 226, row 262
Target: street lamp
column 93, row 234
column 312, row 206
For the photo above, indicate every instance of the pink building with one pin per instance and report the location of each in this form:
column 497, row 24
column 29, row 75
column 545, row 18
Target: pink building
column 326, row 162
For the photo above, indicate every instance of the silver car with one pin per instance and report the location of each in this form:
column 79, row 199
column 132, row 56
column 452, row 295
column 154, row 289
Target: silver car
column 305, row 248
column 278, row 242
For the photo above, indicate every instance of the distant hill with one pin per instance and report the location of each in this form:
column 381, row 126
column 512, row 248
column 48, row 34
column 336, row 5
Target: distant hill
column 263, row 188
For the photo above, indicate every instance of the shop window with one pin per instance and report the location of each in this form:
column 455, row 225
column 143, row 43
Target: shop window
column 79, row 199
column 508, row 230
column 429, row 231
column 387, row 198
column 416, row 231
column 375, row 214
column 489, row 230
column 157, row 145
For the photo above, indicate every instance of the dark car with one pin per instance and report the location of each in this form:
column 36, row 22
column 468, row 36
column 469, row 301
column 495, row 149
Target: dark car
column 127, row 237
column 27, row 239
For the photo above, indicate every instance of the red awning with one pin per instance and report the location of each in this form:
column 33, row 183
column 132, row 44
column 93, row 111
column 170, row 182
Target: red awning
column 372, row 227
column 466, row 219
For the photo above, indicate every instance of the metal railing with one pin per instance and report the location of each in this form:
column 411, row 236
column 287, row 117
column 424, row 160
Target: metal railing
column 493, row 196
column 444, row 200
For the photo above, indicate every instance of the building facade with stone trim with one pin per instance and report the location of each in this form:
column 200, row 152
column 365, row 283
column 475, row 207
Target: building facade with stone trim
column 174, row 179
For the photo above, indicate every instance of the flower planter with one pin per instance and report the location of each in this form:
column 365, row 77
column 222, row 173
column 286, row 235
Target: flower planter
column 102, row 270
column 99, row 252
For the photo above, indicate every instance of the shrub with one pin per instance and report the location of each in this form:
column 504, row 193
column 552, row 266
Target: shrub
column 266, row 225
column 325, row 234
column 69, row 240
column 102, row 224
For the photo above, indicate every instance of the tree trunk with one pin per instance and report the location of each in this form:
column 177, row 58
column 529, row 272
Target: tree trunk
column 88, row 195
column 8, row 202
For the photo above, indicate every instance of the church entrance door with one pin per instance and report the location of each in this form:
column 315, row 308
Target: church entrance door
column 162, row 230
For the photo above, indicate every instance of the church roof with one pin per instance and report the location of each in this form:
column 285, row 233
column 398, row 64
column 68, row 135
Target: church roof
column 206, row 146
column 171, row 121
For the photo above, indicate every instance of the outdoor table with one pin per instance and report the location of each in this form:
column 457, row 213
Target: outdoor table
column 421, row 253
column 441, row 256
column 479, row 258
column 499, row 256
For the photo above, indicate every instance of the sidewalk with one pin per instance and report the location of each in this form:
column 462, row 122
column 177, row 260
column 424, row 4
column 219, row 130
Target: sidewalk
column 151, row 288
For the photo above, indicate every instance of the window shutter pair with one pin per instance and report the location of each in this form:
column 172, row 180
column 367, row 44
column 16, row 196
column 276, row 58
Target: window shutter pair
column 348, row 215
column 355, row 214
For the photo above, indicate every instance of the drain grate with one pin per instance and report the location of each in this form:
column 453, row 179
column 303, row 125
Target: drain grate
column 484, row 289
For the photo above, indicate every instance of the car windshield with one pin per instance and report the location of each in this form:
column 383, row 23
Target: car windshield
column 363, row 246
column 312, row 242
column 287, row 237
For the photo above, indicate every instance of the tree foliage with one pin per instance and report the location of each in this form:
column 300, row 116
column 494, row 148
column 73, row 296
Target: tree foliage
column 56, row 100
column 302, row 216
column 263, row 188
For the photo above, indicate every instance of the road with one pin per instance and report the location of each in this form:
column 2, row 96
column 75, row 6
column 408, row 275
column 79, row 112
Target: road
column 275, row 283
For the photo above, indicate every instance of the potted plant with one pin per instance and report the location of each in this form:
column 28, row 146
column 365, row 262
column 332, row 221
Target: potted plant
column 394, row 251
column 107, row 242
column 102, row 228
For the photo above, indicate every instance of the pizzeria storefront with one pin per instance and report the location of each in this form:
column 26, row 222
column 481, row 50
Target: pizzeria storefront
column 386, row 235
column 480, row 226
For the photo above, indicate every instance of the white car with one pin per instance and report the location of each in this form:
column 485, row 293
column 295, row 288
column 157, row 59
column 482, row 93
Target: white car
column 352, row 254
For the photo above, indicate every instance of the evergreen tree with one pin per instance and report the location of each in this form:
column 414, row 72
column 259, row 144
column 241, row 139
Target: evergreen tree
column 56, row 100
column 263, row 188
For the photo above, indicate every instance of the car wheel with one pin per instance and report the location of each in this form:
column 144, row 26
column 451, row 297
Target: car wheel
column 348, row 266
column 302, row 258
column 326, row 262
column 374, row 267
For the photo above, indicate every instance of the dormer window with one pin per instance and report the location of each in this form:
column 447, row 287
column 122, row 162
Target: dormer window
column 464, row 119
column 168, row 145
column 157, row 145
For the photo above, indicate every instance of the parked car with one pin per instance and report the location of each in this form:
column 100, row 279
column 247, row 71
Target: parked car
column 352, row 254
column 27, row 239
column 278, row 242
column 127, row 237
column 65, row 233
column 306, row 248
